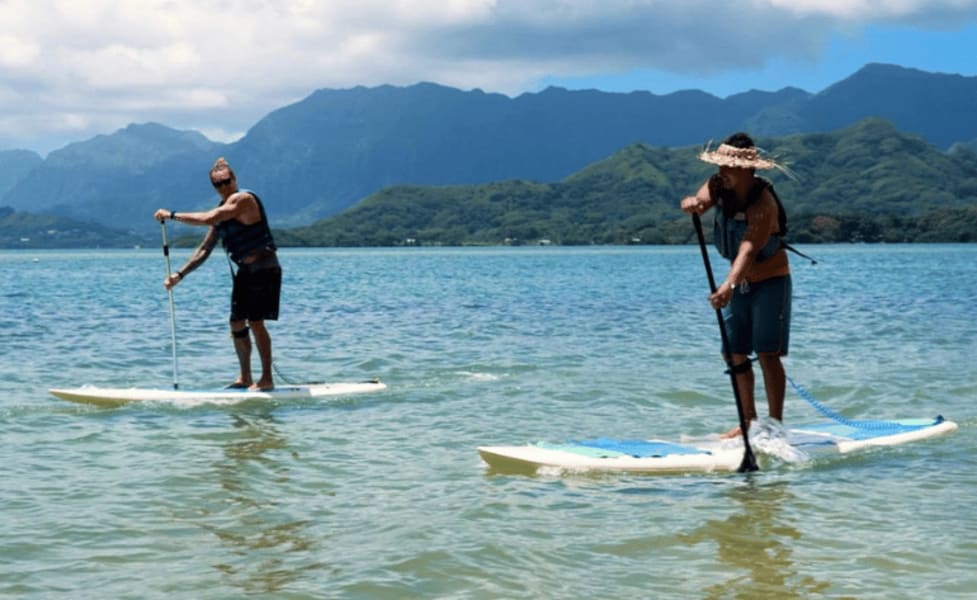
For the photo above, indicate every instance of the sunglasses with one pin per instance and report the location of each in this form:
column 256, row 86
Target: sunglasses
column 221, row 183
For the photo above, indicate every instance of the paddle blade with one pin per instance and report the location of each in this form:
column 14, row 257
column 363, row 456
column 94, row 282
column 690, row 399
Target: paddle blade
column 749, row 462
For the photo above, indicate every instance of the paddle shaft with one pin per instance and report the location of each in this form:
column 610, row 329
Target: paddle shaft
column 169, row 292
column 749, row 460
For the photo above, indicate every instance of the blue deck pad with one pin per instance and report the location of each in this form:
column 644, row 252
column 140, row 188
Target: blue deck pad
column 866, row 430
column 640, row 448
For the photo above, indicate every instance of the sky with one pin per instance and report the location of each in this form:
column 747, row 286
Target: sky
column 74, row 69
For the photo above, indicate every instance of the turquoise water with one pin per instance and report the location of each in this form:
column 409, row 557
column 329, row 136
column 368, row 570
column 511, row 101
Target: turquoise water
column 384, row 496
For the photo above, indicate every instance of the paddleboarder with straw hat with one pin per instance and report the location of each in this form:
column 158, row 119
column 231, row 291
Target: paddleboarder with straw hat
column 755, row 296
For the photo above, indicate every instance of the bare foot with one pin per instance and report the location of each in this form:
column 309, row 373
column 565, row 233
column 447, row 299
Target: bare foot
column 262, row 386
column 732, row 433
column 238, row 385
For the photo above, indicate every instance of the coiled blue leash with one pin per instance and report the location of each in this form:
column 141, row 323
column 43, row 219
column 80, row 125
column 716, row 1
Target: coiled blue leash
column 838, row 418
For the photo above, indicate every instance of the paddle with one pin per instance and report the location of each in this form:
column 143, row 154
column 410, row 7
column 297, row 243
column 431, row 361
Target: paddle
column 166, row 259
column 749, row 461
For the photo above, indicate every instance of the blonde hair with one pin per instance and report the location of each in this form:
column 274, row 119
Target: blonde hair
column 221, row 164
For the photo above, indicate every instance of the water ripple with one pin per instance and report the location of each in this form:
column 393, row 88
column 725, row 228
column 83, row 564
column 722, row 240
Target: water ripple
column 383, row 496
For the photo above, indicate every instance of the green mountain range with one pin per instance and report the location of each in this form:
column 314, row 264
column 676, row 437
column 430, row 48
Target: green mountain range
column 21, row 230
column 868, row 182
column 323, row 154
column 448, row 166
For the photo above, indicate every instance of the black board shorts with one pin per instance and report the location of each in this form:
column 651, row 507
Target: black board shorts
column 256, row 293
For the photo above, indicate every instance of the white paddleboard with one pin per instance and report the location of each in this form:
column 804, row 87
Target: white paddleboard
column 113, row 397
column 707, row 455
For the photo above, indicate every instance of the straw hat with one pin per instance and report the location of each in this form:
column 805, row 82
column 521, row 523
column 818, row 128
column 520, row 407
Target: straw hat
column 731, row 156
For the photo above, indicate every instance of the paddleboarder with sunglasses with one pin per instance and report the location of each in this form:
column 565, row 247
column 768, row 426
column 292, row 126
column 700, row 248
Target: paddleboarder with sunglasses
column 240, row 223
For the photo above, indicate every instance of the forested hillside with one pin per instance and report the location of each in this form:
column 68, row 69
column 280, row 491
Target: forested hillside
column 868, row 182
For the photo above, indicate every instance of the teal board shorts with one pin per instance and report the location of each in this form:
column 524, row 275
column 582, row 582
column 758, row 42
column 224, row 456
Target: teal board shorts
column 758, row 318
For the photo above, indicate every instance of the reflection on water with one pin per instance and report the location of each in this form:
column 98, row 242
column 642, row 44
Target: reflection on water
column 268, row 547
column 493, row 346
column 756, row 543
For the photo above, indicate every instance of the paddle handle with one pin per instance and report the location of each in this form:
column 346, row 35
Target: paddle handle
column 169, row 293
column 749, row 460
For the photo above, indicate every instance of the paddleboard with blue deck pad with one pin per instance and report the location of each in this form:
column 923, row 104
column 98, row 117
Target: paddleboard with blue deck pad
column 706, row 455
column 114, row 397
column 833, row 437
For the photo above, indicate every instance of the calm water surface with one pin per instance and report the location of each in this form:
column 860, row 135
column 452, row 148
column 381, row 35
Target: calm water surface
column 384, row 496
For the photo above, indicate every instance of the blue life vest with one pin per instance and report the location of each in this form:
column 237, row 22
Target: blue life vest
column 730, row 227
column 240, row 240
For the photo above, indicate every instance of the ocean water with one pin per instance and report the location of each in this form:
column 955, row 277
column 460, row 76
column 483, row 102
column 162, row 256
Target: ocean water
column 384, row 495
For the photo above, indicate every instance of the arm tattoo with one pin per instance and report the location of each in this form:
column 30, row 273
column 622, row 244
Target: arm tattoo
column 202, row 252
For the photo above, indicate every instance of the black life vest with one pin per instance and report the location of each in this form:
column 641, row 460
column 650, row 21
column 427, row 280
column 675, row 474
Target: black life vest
column 240, row 240
column 730, row 225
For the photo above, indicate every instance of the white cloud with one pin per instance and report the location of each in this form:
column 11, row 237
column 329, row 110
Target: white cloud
column 133, row 67
column 946, row 11
column 219, row 135
column 95, row 66
column 17, row 53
